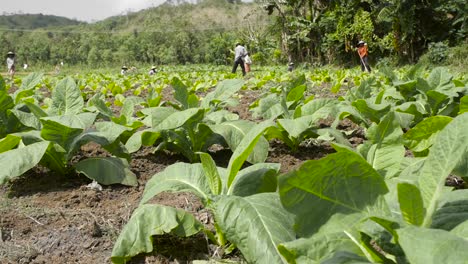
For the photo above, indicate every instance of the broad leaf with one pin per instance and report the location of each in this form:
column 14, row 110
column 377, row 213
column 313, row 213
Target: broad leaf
column 258, row 178
column 386, row 152
column 244, row 149
column 183, row 95
column 463, row 104
column 449, row 147
column 342, row 182
column 178, row 177
column 107, row 170
column 66, row 98
column 224, row 90
column 422, row 136
column 18, row 161
column 233, row 133
column 432, row 246
column 27, row 85
column 452, row 210
column 149, row 220
column 211, row 172
column 256, row 225
column 461, row 230
column 9, row 142
column 411, row 204
column 322, row 245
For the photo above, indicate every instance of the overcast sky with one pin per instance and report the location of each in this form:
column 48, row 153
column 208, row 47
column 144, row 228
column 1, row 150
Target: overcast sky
column 84, row 10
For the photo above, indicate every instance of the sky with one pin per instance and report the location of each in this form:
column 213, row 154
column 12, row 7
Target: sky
column 83, row 10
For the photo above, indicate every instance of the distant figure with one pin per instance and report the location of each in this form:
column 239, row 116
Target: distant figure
column 61, row 63
column 363, row 56
column 248, row 62
column 240, row 52
column 124, row 70
column 25, row 66
column 57, row 69
column 291, row 66
column 152, row 71
column 11, row 63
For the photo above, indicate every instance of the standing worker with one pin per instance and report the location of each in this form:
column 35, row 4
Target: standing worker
column 240, row 52
column 363, row 56
column 11, row 64
column 248, row 62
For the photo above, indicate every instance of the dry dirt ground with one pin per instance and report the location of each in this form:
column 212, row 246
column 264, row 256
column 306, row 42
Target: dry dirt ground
column 47, row 218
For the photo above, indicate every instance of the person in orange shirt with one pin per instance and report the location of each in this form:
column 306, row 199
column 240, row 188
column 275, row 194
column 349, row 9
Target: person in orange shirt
column 363, row 56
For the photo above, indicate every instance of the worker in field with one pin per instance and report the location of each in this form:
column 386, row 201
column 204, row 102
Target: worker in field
column 11, row 63
column 291, row 66
column 239, row 53
column 363, row 56
column 124, row 70
column 152, row 71
column 247, row 63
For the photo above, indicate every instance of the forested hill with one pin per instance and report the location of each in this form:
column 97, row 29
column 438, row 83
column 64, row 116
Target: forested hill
column 175, row 32
column 180, row 15
column 34, row 21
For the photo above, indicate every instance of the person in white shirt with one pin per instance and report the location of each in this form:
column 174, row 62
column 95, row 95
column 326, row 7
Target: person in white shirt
column 124, row 70
column 240, row 52
column 11, row 63
column 152, row 71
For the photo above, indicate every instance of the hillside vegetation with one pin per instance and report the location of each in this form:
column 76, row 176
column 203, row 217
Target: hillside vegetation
column 314, row 32
column 34, row 21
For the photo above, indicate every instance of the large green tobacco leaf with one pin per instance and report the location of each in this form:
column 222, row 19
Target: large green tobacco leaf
column 212, row 173
column 256, row 225
column 17, row 161
column 463, row 104
column 180, row 118
column 107, row 170
column 64, row 130
column 385, row 149
column 27, row 86
column 440, row 78
column 150, row 220
column 461, row 230
column 177, row 178
column 373, row 112
column 6, row 103
column 244, row 149
column 27, row 119
column 66, row 98
column 9, row 142
column 452, row 210
column 183, row 95
column 432, row 246
column 342, row 182
column 268, row 107
column 422, row 136
column 155, row 115
column 233, row 133
column 331, row 238
column 97, row 101
column 320, row 108
column 258, row 178
column 224, row 90
column 411, row 204
column 449, row 147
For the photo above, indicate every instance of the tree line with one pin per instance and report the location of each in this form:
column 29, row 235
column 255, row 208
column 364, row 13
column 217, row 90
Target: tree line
column 274, row 31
